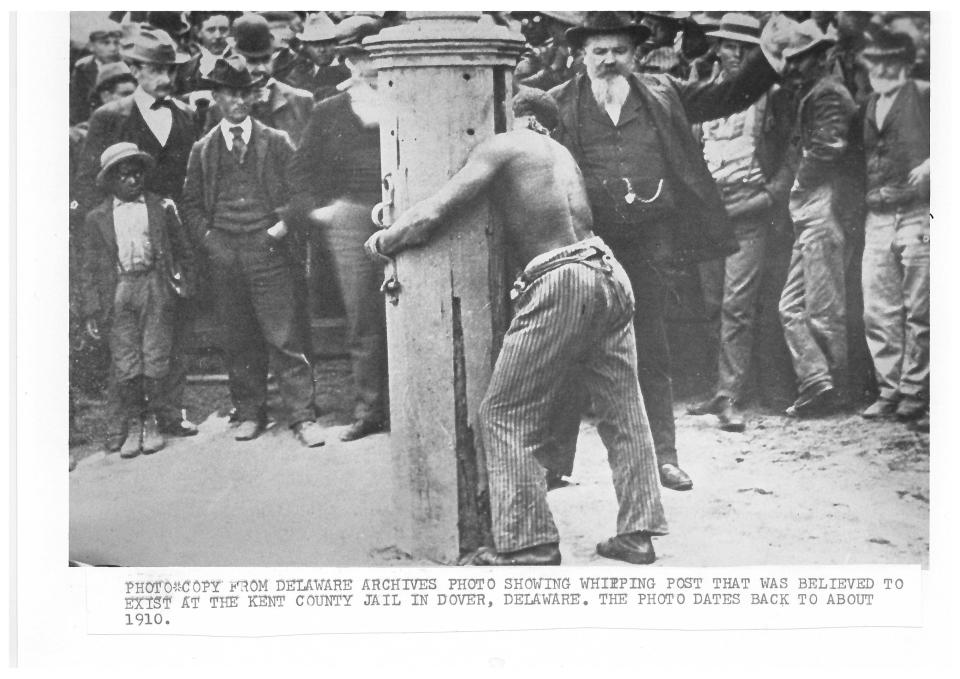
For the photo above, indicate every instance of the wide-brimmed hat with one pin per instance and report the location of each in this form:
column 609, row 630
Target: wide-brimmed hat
column 112, row 73
column 668, row 16
column 153, row 46
column 807, row 37
column 117, row 153
column 739, row 27
column 252, row 36
column 319, row 28
column 891, row 46
column 605, row 23
column 233, row 72
column 174, row 23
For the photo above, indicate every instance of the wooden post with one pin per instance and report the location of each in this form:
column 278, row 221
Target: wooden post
column 448, row 79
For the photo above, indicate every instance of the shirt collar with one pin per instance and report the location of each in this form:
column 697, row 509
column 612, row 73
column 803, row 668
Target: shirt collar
column 139, row 199
column 144, row 100
column 246, row 126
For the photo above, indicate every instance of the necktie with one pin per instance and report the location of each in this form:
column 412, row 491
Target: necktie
column 161, row 103
column 239, row 146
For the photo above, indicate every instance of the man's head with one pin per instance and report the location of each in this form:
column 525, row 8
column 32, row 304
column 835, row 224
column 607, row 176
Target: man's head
column 114, row 81
column 609, row 41
column 153, row 59
column 123, row 167
column 105, row 41
column 212, row 30
column 852, row 25
column 234, row 88
column 889, row 59
column 806, row 55
column 536, row 104
column 663, row 26
column 319, row 39
column 255, row 43
column 737, row 34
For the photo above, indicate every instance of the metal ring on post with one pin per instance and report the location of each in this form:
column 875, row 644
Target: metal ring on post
column 379, row 210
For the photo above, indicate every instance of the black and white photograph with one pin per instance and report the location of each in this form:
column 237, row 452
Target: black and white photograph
column 532, row 288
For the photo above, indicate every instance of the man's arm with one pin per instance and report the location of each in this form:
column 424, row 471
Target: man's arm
column 417, row 224
column 192, row 204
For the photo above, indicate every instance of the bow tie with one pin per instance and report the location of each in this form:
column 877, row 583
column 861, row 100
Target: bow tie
column 162, row 103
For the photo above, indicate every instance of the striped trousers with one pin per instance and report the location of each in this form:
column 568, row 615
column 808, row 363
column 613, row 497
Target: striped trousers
column 575, row 316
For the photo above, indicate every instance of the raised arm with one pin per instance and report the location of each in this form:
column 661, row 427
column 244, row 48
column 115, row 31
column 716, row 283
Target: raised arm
column 417, row 224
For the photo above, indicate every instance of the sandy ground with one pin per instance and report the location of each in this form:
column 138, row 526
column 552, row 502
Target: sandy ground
column 833, row 491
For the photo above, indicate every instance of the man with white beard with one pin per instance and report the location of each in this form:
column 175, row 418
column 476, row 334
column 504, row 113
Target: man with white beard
column 653, row 199
column 896, row 255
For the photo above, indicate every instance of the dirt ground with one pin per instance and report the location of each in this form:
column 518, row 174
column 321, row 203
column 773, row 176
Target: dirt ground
column 834, row 491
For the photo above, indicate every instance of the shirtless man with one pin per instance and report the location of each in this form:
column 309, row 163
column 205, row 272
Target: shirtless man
column 573, row 310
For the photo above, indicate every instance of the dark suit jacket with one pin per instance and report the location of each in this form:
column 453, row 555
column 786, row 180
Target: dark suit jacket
column 98, row 254
column 121, row 121
column 83, row 80
column 701, row 230
column 287, row 109
column 273, row 150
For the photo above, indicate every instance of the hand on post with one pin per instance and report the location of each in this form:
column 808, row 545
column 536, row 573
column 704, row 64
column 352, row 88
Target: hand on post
column 372, row 246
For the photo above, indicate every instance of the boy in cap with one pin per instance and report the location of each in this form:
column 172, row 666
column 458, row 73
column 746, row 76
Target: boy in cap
column 235, row 191
column 136, row 260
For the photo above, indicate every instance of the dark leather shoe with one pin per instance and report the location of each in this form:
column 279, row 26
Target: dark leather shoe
column 820, row 401
column 555, row 481
column 730, row 418
column 179, row 428
column 362, row 428
column 712, row 406
column 674, row 478
column 910, row 409
column 633, row 548
column 547, row 554
column 881, row 409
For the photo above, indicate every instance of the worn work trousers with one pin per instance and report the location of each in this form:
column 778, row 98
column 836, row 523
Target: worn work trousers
column 742, row 274
column 260, row 320
column 813, row 302
column 577, row 315
column 653, row 350
column 141, row 333
column 896, row 300
column 360, row 278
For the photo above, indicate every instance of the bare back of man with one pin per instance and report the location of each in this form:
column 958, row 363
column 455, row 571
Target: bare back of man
column 532, row 181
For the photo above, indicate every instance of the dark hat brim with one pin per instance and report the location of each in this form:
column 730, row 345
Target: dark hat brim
column 578, row 35
column 254, row 54
column 140, row 56
column 148, row 162
column 213, row 83
column 897, row 54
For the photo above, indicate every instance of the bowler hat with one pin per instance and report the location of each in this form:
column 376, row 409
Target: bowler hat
column 739, row 27
column 252, row 36
column 112, row 73
column 118, row 152
column 891, row 46
column 807, row 37
column 605, row 23
column 153, row 46
column 233, row 72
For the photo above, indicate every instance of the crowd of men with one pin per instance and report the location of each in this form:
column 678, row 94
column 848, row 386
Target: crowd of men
column 787, row 166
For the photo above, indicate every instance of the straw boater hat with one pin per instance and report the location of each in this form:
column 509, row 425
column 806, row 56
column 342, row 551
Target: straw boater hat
column 117, row 153
column 891, row 46
column 605, row 23
column 233, row 72
column 739, row 27
column 807, row 37
column 153, row 46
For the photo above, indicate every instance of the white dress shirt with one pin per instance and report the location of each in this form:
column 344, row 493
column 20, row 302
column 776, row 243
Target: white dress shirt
column 884, row 104
column 246, row 126
column 132, row 228
column 158, row 120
